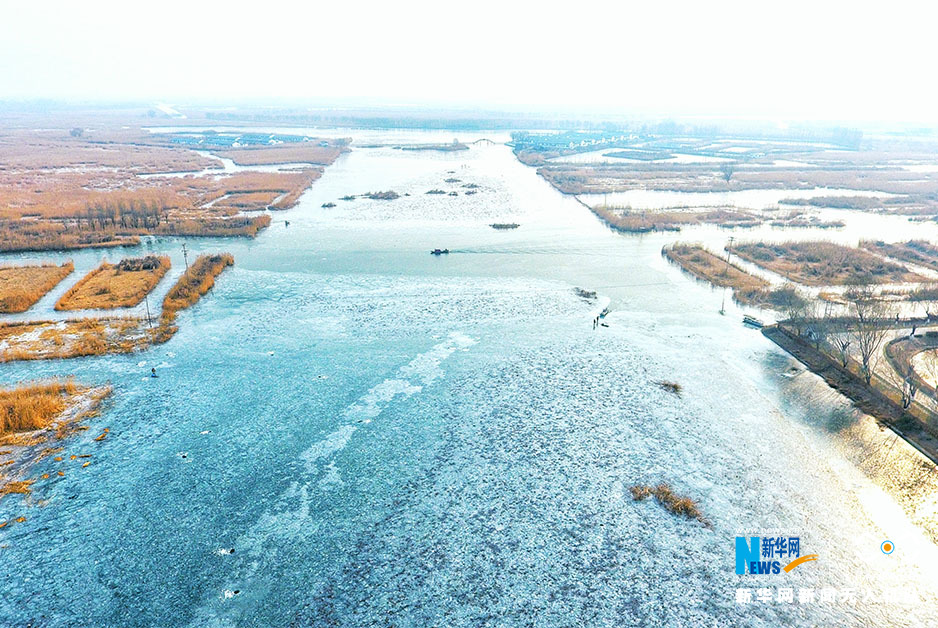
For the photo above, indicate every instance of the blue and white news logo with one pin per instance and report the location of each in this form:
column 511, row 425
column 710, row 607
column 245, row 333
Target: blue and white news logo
column 765, row 555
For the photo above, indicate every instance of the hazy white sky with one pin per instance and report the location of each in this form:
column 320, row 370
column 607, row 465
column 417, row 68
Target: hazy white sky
column 823, row 60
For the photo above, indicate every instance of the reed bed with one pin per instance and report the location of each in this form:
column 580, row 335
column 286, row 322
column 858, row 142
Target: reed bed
column 115, row 285
column 33, row 405
column 701, row 263
column 62, row 193
column 38, row 340
column 195, row 282
column 188, row 289
column 22, row 286
column 34, row 413
column 310, row 153
column 45, row 340
column 921, row 252
column 816, row 263
column 640, row 221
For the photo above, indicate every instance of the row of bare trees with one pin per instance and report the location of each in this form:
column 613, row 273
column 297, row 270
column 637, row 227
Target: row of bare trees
column 861, row 329
column 127, row 214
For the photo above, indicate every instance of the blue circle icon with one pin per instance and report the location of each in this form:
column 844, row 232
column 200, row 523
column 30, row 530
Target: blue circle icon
column 888, row 547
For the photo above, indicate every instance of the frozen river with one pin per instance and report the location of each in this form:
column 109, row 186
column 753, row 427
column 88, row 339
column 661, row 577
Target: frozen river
column 388, row 438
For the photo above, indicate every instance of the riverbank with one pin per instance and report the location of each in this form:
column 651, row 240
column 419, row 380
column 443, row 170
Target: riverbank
column 906, row 423
column 37, row 419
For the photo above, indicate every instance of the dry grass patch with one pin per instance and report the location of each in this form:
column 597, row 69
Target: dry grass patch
column 701, row 263
column 921, row 252
column 306, row 152
column 641, row 221
column 34, row 406
column 40, row 340
column 15, row 487
column 115, row 285
column 672, row 502
column 34, row 413
column 824, row 263
column 186, row 292
column 45, row 340
column 22, row 286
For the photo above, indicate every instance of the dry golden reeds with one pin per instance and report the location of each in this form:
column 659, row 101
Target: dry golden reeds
column 111, row 286
column 22, row 286
column 671, row 501
column 194, row 283
column 33, row 406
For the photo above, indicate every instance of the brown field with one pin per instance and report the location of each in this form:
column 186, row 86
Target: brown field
column 59, row 192
column 919, row 252
column 306, row 152
column 703, row 264
column 110, row 286
column 824, row 263
column 22, row 286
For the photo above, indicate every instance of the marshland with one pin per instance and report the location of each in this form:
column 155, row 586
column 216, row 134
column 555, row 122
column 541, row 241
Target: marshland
column 466, row 399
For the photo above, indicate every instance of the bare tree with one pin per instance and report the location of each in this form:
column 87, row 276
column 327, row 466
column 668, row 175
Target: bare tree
column 927, row 297
column 905, row 382
column 869, row 328
column 841, row 340
column 728, row 168
column 796, row 307
column 821, row 322
column 909, row 387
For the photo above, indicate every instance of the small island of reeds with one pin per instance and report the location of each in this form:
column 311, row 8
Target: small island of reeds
column 22, row 286
column 110, row 286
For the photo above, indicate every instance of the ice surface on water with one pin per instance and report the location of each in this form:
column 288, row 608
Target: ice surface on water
column 292, row 513
column 428, row 480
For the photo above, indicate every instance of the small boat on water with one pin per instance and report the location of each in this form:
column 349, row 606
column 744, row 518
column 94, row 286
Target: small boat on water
column 752, row 321
column 439, row 252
